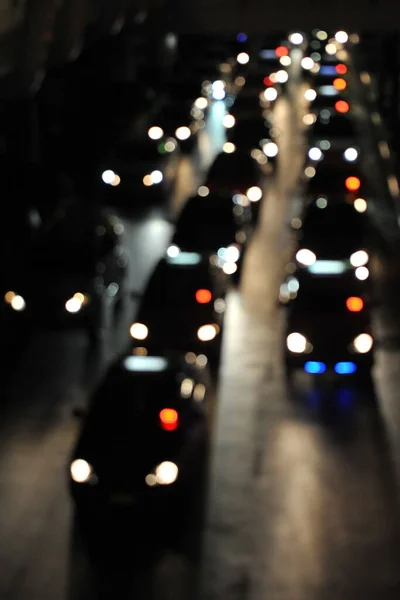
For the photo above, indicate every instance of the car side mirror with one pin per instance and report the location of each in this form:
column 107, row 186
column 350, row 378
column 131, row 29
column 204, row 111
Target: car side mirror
column 79, row 412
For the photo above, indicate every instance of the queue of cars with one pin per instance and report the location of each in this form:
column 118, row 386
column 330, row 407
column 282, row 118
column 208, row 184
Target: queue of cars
column 327, row 291
column 176, row 336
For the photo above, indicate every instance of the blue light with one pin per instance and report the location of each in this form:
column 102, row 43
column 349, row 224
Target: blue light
column 328, row 70
column 345, row 368
column 314, row 367
column 241, row 37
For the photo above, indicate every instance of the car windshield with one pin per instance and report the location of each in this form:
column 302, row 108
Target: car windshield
column 175, row 285
column 251, row 129
column 335, row 231
column 337, row 126
column 206, row 224
column 320, row 299
column 237, row 164
column 71, row 245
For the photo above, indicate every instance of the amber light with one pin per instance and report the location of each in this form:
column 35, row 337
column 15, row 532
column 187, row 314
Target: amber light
column 340, row 84
column 342, row 106
column 353, row 184
column 354, row 304
column 169, row 419
column 203, row 296
column 281, row 51
column 341, row 69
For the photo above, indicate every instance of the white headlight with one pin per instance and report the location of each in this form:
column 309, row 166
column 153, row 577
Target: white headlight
column 139, row 331
column 351, row 154
column 155, row 133
column 310, row 95
column 359, row 258
column 270, row 149
column 206, row 333
column 228, row 121
column 363, row 343
column 254, row 193
column 306, row 257
column 282, row 76
column 314, row 154
column 341, row 37
column 73, row 305
column 156, row 176
column 307, row 63
column 201, row 103
column 173, row 251
column 296, row 343
column 296, row 38
column 361, row 273
column 166, row 473
column 108, row 176
column 229, row 148
column 243, row 58
column 80, row 470
column 18, row 303
column 270, row 94
column 183, row 133
column 232, row 254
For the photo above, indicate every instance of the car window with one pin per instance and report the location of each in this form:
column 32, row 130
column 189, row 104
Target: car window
column 175, row 285
column 338, row 227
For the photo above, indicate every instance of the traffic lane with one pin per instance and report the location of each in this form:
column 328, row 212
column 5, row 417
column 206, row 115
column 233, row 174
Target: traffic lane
column 250, row 360
column 325, row 501
column 258, row 501
column 304, row 498
column 56, row 374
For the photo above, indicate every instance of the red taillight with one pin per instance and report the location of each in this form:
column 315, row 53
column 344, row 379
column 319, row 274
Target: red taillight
column 340, row 84
column 281, row 51
column 353, row 184
column 342, row 106
column 354, row 304
column 203, row 296
column 341, row 69
column 268, row 81
column 169, row 419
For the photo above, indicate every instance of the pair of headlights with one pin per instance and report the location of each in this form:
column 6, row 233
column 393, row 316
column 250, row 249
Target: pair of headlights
column 164, row 474
column 205, row 333
column 298, row 343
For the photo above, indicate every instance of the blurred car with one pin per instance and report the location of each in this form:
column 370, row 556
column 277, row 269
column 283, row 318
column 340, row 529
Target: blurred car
column 183, row 306
column 246, row 106
column 217, row 226
column 137, row 172
column 338, row 129
column 335, row 182
column 139, row 463
column 177, row 123
column 329, row 330
column 333, row 243
column 325, row 105
column 73, row 274
column 236, row 172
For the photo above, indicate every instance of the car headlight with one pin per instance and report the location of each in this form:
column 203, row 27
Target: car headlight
column 74, row 304
column 15, row 301
column 359, row 258
column 164, row 474
column 81, row 471
column 296, row 343
column 173, row 251
column 183, row 133
column 305, row 257
column 206, row 333
column 363, row 343
column 139, row 331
